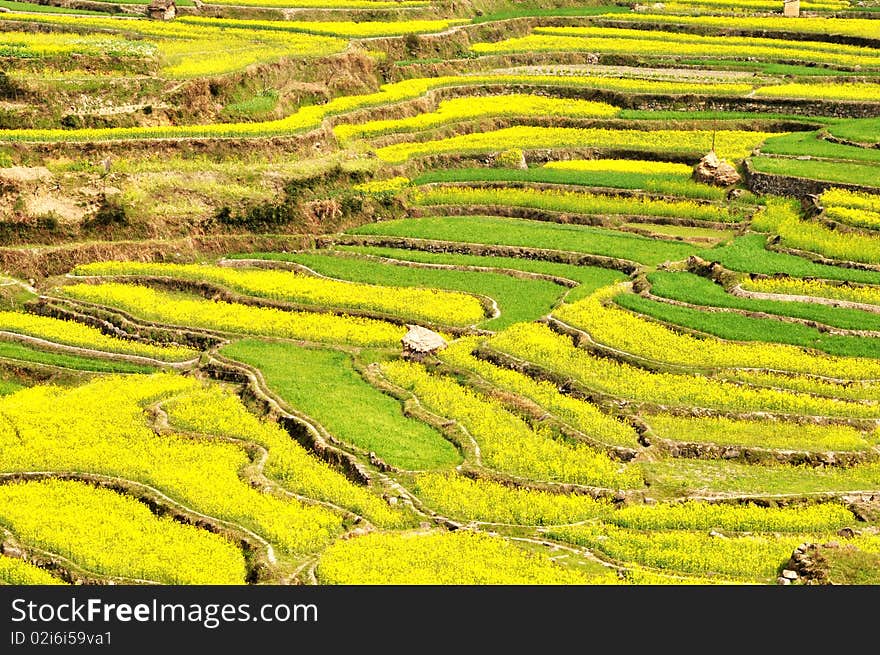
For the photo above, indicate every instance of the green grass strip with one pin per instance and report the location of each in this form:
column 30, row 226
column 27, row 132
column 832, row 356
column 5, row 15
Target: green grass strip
column 590, row 278
column 52, row 9
column 808, row 143
column 658, row 183
column 735, row 327
column 519, row 300
column 749, row 255
column 696, row 290
column 844, row 172
column 324, row 385
column 864, row 130
column 535, row 234
column 18, row 351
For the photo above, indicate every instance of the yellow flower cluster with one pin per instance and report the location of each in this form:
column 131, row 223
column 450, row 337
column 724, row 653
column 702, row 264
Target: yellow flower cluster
column 815, row 288
column 14, row 571
column 539, row 344
column 344, row 29
column 575, row 202
column 659, row 43
column 856, row 91
column 845, row 390
column 856, row 217
column 482, row 500
column 615, row 327
column 765, row 433
column 310, row 117
column 381, row 187
column 450, row 307
column 101, row 428
column 84, row 336
column 692, row 515
column 460, row 557
column 508, row 443
column 464, row 109
column 185, row 49
column 754, row 558
column 852, row 207
column 124, row 538
column 781, row 217
column 844, row 198
column 29, row 45
column 621, row 166
column 688, row 6
column 289, row 463
column 729, row 144
column 578, row 414
column 862, row 27
column 174, row 309
column 327, row 4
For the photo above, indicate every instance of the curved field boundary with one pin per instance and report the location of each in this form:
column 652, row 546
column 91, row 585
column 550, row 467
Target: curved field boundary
column 308, row 136
column 610, row 221
column 762, row 183
column 782, row 318
column 582, row 339
column 317, row 440
column 696, row 28
column 305, row 431
column 64, row 569
column 58, row 260
column 533, row 412
column 729, row 279
column 55, row 346
column 254, row 475
column 512, row 272
column 475, row 468
column 120, row 324
column 773, row 245
column 465, row 248
column 261, row 556
column 755, row 454
column 452, row 430
column 825, row 135
column 214, row 291
column 491, row 123
column 490, row 306
column 737, row 290
column 615, row 192
column 561, row 488
column 626, row 407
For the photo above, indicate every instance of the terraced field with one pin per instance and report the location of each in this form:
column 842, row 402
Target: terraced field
column 365, row 292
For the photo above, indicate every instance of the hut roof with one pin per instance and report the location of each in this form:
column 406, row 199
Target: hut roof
column 422, row 340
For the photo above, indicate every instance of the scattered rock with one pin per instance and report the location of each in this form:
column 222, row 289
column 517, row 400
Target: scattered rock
column 712, row 170
column 847, row 533
column 782, row 581
column 788, row 574
column 420, row 341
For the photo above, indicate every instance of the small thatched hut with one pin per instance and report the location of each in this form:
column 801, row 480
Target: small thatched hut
column 419, row 342
column 162, row 10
